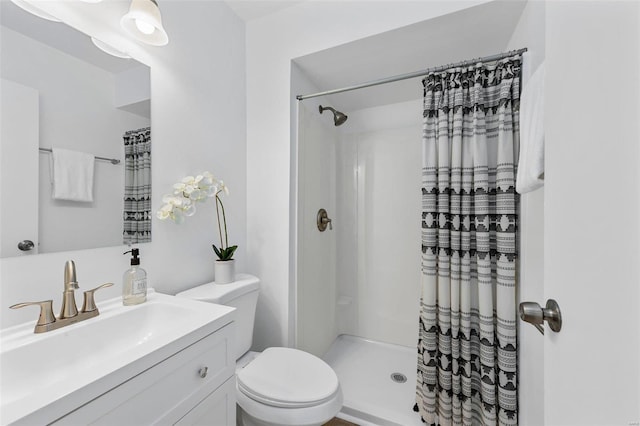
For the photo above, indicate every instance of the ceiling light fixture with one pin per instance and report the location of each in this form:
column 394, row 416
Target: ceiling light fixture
column 106, row 48
column 145, row 23
column 34, row 10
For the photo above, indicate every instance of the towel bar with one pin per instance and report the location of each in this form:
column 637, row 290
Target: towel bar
column 111, row 160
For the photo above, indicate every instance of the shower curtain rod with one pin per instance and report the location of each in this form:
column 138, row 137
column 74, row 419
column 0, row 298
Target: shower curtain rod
column 111, row 160
column 413, row 74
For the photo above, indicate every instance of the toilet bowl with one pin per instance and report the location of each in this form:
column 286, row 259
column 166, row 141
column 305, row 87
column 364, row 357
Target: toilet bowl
column 284, row 386
column 279, row 386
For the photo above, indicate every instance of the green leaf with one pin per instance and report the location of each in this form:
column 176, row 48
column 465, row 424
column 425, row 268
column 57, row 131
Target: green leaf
column 227, row 254
column 224, row 253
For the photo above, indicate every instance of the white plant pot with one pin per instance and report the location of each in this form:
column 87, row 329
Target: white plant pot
column 225, row 271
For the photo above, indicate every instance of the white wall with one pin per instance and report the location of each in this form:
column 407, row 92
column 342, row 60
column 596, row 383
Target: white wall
column 272, row 43
column 198, row 119
column 591, row 212
column 132, row 86
column 530, row 33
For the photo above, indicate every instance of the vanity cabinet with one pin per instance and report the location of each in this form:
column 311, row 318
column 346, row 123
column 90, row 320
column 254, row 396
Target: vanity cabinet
column 193, row 386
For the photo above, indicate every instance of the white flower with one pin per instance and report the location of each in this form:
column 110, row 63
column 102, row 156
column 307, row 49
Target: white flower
column 171, row 199
column 197, row 195
column 164, row 212
column 189, row 189
column 207, row 180
column 176, row 207
column 177, row 216
column 223, row 187
column 186, row 193
column 211, row 191
column 190, row 210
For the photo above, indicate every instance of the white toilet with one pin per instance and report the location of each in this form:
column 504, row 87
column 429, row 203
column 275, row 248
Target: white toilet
column 280, row 386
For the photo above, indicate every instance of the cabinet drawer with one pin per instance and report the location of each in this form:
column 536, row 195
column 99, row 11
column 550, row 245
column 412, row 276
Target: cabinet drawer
column 167, row 391
column 218, row 408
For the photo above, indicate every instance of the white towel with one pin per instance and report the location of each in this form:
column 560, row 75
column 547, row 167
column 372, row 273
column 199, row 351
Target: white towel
column 72, row 175
column 531, row 162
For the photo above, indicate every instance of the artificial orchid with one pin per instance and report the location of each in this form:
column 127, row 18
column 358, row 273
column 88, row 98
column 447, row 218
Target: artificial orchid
column 181, row 204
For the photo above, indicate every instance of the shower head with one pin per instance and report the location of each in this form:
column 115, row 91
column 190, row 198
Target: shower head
column 338, row 117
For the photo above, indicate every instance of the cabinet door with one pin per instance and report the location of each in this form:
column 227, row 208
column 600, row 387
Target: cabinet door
column 218, row 408
column 164, row 393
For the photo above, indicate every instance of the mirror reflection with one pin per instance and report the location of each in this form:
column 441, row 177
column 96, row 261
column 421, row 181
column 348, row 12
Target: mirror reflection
column 60, row 91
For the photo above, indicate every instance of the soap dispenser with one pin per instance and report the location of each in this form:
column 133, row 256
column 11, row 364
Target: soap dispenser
column 134, row 281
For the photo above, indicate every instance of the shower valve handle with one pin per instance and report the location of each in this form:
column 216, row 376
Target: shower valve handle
column 322, row 220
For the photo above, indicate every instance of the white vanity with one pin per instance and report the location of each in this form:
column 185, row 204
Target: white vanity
column 167, row 361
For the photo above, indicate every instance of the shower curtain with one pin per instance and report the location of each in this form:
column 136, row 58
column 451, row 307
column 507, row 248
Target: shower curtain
column 467, row 344
column 137, row 186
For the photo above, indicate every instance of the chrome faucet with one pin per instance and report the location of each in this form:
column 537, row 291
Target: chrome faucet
column 69, row 313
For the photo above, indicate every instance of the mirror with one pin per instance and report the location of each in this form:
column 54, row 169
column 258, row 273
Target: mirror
column 59, row 90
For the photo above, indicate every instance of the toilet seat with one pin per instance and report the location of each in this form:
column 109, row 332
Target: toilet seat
column 288, row 378
column 283, row 386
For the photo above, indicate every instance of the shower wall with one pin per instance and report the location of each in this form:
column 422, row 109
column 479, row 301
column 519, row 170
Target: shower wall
column 316, row 292
column 378, row 183
column 379, row 164
column 363, row 277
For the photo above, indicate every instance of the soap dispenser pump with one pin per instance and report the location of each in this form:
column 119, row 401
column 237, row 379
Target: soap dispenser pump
column 134, row 281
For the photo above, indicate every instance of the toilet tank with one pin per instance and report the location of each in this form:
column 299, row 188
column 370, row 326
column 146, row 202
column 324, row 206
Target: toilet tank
column 241, row 294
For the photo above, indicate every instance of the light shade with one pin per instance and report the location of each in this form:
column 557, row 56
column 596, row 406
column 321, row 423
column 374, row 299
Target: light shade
column 106, row 48
column 145, row 23
column 29, row 7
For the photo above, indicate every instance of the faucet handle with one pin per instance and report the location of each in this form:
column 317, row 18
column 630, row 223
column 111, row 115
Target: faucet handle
column 89, row 304
column 46, row 311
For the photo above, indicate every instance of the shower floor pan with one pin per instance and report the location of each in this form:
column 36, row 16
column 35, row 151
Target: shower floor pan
column 371, row 375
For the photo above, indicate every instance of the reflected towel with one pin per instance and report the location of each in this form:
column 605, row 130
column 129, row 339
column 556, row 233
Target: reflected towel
column 531, row 162
column 72, row 175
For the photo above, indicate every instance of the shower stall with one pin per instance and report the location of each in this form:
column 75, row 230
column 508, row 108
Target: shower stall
column 356, row 285
column 359, row 279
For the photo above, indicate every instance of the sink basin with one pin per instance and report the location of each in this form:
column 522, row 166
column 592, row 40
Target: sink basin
column 72, row 365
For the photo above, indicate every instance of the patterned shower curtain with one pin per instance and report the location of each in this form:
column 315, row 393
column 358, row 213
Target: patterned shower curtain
column 467, row 345
column 137, row 186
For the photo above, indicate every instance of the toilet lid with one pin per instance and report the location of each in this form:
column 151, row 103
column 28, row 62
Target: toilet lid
column 284, row 377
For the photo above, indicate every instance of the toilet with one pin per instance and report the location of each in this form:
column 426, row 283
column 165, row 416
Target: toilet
column 279, row 386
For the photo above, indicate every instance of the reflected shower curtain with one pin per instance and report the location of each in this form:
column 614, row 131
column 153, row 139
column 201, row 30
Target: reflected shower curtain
column 137, row 186
column 467, row 344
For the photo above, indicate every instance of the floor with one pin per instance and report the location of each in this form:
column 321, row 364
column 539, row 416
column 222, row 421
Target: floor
column 339, row 422
column 371, row 397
